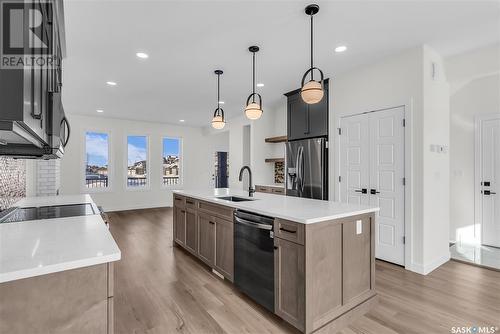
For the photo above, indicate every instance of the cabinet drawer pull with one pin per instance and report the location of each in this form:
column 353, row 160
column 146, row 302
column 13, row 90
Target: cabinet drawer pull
column 211, row 222
column 285, row 230
column 189, row 202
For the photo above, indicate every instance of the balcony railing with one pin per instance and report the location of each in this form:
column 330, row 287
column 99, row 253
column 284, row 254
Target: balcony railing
column 170, row 180
column 136, row 181
column 101, row 181
column 96, row 181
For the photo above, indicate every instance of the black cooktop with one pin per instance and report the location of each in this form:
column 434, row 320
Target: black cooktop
column 46, row 212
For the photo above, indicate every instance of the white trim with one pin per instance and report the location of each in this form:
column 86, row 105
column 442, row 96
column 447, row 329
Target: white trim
column 146, row 187
column 83, row 163
column 429, row 267
column 478, row 198
column 181, row 163
column 408, row 171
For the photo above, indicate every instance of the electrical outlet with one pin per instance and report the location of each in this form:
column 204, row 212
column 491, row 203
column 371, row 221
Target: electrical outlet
column 359, row 226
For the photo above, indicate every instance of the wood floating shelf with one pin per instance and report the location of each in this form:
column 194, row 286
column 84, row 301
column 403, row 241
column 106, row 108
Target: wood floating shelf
column 279, row 139
column 275, row 160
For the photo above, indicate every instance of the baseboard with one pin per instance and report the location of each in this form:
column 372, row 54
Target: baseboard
column 424, row 269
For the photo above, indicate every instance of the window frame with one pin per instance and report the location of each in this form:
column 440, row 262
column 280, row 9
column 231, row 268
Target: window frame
column 146, row 187
column 181, row 163
column 84, row 187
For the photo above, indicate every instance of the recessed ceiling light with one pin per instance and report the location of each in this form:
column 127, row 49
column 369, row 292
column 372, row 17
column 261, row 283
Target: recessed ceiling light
column 111, row 83
column 142, row 55
column 221, row 102
column 260, row 84
column 182, row 120
column 100, row 110
column 340, row 48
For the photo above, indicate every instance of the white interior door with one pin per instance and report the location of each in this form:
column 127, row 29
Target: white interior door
column 490, row 181
column 386, row 182
column 372, row 159
column 355, row 154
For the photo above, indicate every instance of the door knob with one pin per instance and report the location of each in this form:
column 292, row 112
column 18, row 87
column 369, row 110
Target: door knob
column 363, row 191
column 374, row 191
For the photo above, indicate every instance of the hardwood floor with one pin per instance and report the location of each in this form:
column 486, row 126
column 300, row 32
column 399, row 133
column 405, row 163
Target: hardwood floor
column 162, row 289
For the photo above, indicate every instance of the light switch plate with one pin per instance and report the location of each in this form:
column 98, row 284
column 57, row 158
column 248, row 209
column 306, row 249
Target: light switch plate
column 359, row 226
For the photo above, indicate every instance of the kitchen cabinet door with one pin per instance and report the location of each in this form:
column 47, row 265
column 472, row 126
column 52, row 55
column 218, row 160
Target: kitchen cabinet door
column 289, row 282
column 180, row 225
column 191, row 231
column 318, row 117
column 206, row 238
column 224, row 249
column 297, row 117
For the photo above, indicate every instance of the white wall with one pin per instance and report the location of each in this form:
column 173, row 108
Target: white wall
column 405, row 79
column 436, row 166
column 197, row 160
column 475, row 90
column 272, row 123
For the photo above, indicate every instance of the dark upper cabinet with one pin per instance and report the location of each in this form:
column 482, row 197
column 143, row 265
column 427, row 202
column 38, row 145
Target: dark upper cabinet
column 306, row 120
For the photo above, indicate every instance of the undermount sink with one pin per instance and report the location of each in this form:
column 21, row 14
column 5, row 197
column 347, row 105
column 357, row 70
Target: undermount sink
column 235, row 199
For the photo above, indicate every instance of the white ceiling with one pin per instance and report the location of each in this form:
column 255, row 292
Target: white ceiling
column 187, row 40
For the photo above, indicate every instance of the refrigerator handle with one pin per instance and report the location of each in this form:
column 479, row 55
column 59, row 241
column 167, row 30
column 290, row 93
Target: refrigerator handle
column 300, row 169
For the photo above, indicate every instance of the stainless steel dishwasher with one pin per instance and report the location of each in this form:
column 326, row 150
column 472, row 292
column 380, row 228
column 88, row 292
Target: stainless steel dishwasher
column 254, row 257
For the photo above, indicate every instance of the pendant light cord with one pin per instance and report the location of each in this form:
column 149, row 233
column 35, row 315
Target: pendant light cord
column 312, row 77
column 253, row 77
column 218, row 90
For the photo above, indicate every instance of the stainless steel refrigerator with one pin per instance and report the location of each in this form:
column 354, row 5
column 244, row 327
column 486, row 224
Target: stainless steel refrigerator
column 307, row 168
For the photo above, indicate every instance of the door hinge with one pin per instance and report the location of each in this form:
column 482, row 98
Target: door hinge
column 340, row 131
column 340, row 178
column 404, row 181
column 404, row 240
column 404, row 122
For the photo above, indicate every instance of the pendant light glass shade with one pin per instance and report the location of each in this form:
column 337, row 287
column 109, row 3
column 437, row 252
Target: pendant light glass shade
column 312, row 91
column 218, row 121
column 253, row 109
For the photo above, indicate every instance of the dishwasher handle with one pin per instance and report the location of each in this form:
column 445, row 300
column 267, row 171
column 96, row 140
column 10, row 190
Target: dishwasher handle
column 252, row 224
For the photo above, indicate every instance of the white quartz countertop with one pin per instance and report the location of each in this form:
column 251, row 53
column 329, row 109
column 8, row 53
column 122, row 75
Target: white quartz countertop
column 45, row 246
column 301, row 210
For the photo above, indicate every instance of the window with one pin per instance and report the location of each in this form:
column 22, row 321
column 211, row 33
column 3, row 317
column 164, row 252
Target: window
column 137, row 161
column 96, row 160
column 171, row 161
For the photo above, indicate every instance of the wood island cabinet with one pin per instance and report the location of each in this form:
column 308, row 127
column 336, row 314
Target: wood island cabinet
column 206, row 230
column 72, row 301
column 324, row 273
column 224, row 247
column 206, row 237
column 191, row 231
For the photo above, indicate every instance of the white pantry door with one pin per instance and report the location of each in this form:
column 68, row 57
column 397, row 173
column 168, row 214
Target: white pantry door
column 490, row 184
column 372, row 158
column 355, row 154
column 386, row 182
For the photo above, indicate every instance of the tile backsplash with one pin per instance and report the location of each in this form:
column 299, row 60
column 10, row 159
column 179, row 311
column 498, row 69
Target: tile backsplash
column 12, row 181
column 279, row 172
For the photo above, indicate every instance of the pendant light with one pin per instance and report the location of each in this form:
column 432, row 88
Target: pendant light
column 312, row 91
column 218, row 121
column 253, row 109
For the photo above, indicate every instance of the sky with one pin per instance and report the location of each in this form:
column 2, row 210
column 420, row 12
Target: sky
column 170, row 146
column 137, row 149
column 97, row 148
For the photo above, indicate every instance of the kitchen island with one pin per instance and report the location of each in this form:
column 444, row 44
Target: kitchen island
column 323, row 270
column 56, row 275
